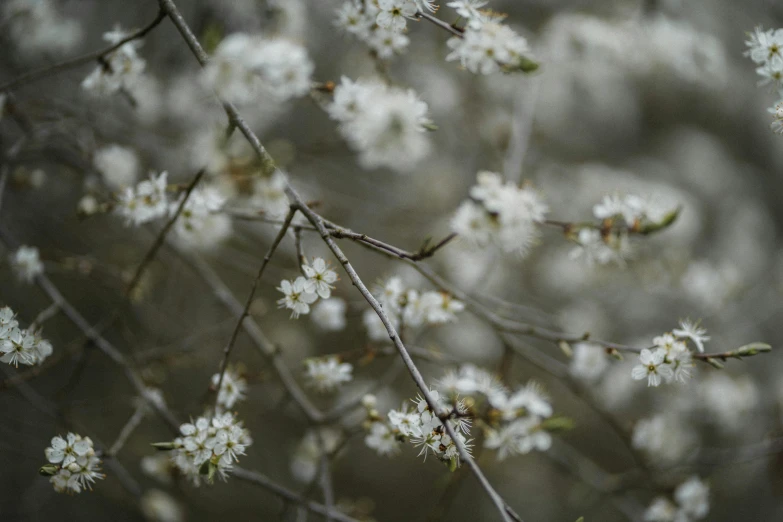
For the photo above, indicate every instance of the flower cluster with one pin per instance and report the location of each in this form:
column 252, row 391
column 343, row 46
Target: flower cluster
column 73, row 464
column 232, row 389
column 384, row 124
column 518, row 421
column 765, row 48
column 209, row 447
column 245, row 67
column 692, row 499
column 18, row 345
column 26, row 263
column 145, row 202
column 486, row 45
column 410, row 308
column 200, row 226
column 620, row 216
column 424, row 429
column 359, row 19
column 670, row 359
column 500, row 213
column 514, row 422
column 304, row 291
column 36, row 27
column 326, row 374
column 119, row 70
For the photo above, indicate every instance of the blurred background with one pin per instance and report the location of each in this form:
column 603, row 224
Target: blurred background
column 652, row 98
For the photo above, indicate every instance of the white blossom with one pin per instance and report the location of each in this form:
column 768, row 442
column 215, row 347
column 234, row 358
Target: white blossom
column 319, row 278
column 470, row 10
column 329, row 314
column 664, row 438
column 489, row 47
column 518, row 437
column 393, row 13
column 326, row 374
column 145, row 202
column 660, row 510
column 652, row 367
column 692, row 331
column 36, row 28
column 501, row 213
column 26, row 263
column 382, row 439
column 469, row 380
column 77, row 464
column 232, row 389
column 210, row 446
column 297, row 298
column 356, row 18
column 386, row 125
column 120, row 69
column 269, row 194
column 118, row 165
column 765, row 46
column 18, row 345
column 529, row 400
column 693, row 497
column 159, row 506
column 200, row 225
column 245, row 67
column 588, row 362
column 594, row 248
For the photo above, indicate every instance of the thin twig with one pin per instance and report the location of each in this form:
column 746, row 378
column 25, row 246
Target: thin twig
column 246, row 310
column 81, row 60
column 161, row 237
column 288, row 495
column 456, row 31
column 256, row 334
column 127, row 430
column 93, row 335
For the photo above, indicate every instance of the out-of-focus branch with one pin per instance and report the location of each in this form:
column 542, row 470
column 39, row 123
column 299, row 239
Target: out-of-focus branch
column 264, row 345
column 57, row 68
column 93, row 335
column 261, row 480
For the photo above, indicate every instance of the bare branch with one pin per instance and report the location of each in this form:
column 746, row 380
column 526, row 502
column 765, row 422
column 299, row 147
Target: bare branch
column 249, row 301
column 52, row 70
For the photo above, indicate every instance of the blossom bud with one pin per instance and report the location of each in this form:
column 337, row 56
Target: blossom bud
column 164, row 446
column 753, row 349
column 48, row 470
column 369, row 401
